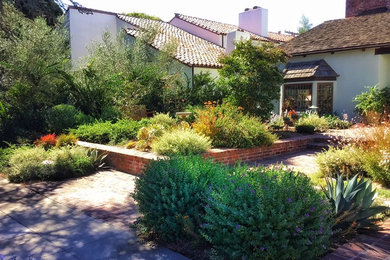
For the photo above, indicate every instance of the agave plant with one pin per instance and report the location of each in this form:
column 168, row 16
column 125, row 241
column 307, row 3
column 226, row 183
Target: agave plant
column 97, row 158
column 352, row 202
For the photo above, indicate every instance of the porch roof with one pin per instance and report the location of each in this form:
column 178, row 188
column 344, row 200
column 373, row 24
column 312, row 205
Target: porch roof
column 309, row 71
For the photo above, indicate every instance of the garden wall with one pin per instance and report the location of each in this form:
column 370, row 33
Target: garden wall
column 132, row 161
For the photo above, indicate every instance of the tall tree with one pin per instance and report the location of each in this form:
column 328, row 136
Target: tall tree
column 305, row 25
column 252, row 76
column 39, row 8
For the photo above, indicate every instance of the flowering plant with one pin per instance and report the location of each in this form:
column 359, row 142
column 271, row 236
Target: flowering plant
column 46, row 141
column 267, row 214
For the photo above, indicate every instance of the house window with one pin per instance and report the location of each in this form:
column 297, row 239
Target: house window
column 325, row 98
column 300, row 93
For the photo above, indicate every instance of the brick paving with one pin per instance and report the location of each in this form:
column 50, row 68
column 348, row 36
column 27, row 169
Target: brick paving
column 85, row 218
column 302, row 161
column 373, row 246
column 104, row 195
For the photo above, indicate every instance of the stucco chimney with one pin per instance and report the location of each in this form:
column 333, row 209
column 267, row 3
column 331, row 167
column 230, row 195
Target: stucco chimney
column 234, row 37
column 254, row 20
column 362, row 7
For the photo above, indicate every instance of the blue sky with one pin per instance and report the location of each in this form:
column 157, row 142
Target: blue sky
column 283, row 14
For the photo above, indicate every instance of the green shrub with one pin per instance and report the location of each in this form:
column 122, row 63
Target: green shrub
column 267, row 214
column 5, row 155
column 125, row 129
column 106, row 132
column 65, row 140
column 374, row 99
column 228, row 126
column 98, row 132
column 347, row 161
column 181, row 142
column 377, row 165
column 171, row 195
column 164, row 120
column 27, row 164
column 320, row 124
column 305, row 129
column 334, row 122
column 62, row 117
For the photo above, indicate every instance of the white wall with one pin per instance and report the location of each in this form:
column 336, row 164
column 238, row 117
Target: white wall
column 213, row 72
column 198, row 31
column 384, row 70
column 86, row 29
column 356, row 68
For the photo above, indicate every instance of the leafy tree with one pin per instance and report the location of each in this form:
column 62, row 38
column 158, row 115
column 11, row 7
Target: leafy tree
column 32, row 9
column 376, row 100
column 305, row 25
column 252, row 76
column 31, row 54
column 122, row 76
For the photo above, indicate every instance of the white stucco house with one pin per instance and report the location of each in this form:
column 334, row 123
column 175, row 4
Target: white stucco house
column 335, row 61
column 200, row 42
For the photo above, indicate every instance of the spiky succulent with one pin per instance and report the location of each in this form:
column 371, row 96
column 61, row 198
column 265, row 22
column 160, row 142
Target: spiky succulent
column 352, row 202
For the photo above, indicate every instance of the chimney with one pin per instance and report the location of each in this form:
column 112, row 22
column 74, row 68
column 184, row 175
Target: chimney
column 254, row 20
column 364, row 7
column 233, row 37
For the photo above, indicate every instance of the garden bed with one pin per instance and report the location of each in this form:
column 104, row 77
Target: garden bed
column 133, row 161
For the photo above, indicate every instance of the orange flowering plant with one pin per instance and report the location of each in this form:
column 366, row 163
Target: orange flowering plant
column 47, row 141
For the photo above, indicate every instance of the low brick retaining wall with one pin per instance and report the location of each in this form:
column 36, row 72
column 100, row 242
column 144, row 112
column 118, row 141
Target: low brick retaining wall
column 133, row 161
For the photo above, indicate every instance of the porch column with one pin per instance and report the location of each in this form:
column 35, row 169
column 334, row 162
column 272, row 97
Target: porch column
column 281, row 100
column 314, row 98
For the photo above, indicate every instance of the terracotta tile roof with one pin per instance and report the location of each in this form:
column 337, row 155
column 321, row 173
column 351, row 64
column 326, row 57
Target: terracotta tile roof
column 350, row 33
column 224, row 28
column 191, row 50
column 280, row 37
column 309, row 70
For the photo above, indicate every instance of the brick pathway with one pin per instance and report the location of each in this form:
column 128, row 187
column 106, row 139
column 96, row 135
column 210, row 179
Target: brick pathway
column 104, row 195
column 302, row 161
column 372, row 246
column 85, row 218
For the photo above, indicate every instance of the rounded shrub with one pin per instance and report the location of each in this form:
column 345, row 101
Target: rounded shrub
column 181, row 142
column 305, row 129
column 347, row 161
column 267, row 214
column 63, row 117
column 307, row 123
column 164, row 120
column 171, row 195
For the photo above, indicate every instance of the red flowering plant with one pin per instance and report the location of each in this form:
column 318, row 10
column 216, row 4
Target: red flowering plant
column 293, row 115
column 47, row 141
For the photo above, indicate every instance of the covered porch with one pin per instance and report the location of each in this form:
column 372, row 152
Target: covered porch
column 309, row 85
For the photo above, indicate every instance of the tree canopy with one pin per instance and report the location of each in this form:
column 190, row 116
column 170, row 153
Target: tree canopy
column 252, row 76
column 305, row 25
column 39, row 8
